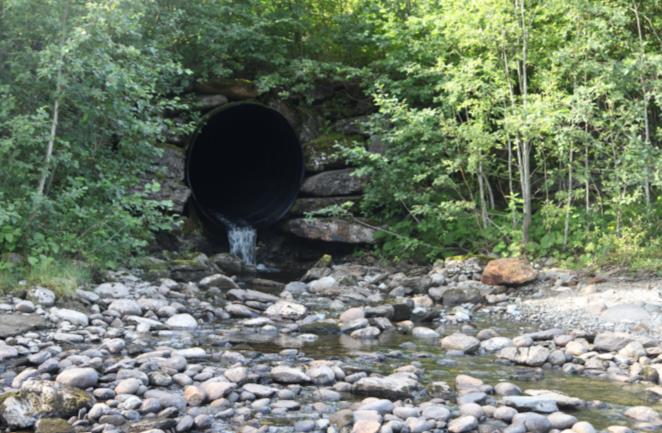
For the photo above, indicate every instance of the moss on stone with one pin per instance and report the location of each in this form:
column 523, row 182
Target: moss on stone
column 53, row 425
column 321, row 153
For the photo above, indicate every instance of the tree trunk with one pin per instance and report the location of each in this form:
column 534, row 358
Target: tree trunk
column 525, row 143
column 568, row 204
column 645, row 96
column 56, row 109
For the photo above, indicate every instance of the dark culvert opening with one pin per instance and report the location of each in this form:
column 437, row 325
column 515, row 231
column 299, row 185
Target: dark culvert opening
column 245, row 164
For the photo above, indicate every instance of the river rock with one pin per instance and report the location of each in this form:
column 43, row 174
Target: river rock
column 424, row 333
column 285, row 374
column 461, row 342
column 286, row 310
column 25, row 307
column 12, row 324
column 463, row 424
column 79, row 377
column 642, row 413
column 219, row 281
column 330, row 230
column 126, row 307
column 454, row 297
column 495, row 344
column 577, row 347
column 533, row 356
column 536, row 404
column 583, row 427
column 561, row 421
column 184, row 321
column 167, row 398
column 72, row 316
column 626, row 313
column 112, row 290
column 392, row 387
column 43, row 296
column 509, row 272
column 611, row 341
column 40, row 399
column 217, row 388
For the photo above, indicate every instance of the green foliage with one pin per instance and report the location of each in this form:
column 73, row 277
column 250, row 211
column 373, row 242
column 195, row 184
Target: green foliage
column 482, row 111
column 61, row 276
column 82, row 77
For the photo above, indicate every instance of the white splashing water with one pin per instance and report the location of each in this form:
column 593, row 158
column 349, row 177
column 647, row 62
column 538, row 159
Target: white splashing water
column 243, row 240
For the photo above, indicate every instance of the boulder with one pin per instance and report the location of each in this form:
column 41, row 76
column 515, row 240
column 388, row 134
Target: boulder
column 285, row 374
column 330, row 230
column 41, row 399
column 533, row 356
column 79, row 377
column 461, row 342
column 205, row 102
column 310, row 204
column 626, row 313
column 126, row 307
column 72, row 316
column 333, row 183
column 320, row 153
column 286, row 310
column 509, row 272
column 184, row 320
column 17, row 324
column 611, row 341
column 219, row 281
column 233, row 89
column 393, row 387
column 43, row 296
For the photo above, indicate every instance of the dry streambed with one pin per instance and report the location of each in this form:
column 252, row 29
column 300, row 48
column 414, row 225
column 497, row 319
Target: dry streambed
column 349, row 348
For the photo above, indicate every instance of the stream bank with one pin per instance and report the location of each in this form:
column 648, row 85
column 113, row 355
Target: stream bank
column 342, row 348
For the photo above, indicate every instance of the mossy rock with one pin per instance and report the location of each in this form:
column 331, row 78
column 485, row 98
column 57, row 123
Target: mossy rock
column 53, row 425
column 321, row 327
column 38, row 399
column 320, row 154
column 234, row 89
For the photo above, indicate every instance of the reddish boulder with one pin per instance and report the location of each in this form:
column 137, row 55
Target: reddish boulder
column 508, row 272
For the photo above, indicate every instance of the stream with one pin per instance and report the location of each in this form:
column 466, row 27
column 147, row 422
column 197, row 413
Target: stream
column 607, row 400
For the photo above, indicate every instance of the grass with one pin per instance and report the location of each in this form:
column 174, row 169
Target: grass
column 63, row 277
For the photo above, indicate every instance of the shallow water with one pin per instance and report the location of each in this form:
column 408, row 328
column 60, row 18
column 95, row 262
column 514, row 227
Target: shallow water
column 387, row 352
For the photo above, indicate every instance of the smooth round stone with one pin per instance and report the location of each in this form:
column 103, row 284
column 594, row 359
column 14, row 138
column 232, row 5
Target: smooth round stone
column 203, row 421
column 150, row 405
column 405, row 412
column 472, row 409
column 583, row 427
column 25, row 307
column 327, row 395
column 507, row 388
column 185, row 424
column 78, row 377
column 128, row 386
column 304, row 426
column 463, row 424
column 561, row 421
column 286, row 404
column 505, row 413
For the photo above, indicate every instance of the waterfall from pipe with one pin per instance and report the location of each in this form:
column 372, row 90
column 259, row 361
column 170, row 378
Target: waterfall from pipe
column 242, row 238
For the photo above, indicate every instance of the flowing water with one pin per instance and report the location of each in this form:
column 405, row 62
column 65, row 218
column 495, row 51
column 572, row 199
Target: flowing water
column 608, row 400
column 242, row 238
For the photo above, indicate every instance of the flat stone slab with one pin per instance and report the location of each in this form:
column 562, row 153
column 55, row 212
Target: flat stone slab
column 12, row 324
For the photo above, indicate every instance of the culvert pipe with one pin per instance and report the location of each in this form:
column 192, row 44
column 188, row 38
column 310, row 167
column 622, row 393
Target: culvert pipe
column 244, row 164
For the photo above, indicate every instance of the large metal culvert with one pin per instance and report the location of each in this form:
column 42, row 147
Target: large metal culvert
column 244, row 164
